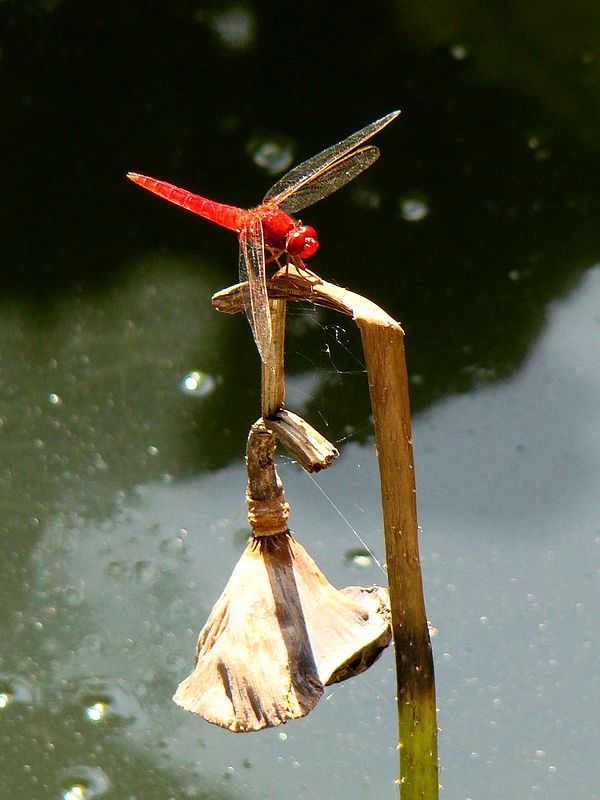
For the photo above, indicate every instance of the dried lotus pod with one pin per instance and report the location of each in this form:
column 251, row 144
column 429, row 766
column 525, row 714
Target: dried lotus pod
column 277, row 634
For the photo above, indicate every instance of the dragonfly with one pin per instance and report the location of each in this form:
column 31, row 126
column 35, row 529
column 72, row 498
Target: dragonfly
column 269, row 232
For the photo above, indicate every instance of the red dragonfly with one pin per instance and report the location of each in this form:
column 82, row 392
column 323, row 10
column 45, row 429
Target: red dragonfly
column 270, row 224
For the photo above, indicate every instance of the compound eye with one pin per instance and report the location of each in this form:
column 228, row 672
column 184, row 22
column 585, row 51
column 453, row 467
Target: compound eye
column 302, row 241
column 311, row 242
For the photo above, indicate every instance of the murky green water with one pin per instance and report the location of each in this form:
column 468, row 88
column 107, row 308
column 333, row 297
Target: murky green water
column 125, row 399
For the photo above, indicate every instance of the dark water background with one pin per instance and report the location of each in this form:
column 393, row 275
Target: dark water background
column 121, row 494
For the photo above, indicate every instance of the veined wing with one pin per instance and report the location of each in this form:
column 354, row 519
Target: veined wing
column 256, row 299
column 330, row 180
column 316, row 166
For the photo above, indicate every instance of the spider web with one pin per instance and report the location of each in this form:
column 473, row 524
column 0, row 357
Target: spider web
column 339, row 361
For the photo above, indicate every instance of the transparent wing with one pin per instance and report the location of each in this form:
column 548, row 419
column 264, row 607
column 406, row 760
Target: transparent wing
column 316, row 167
column 333, row 178
column 256, row 299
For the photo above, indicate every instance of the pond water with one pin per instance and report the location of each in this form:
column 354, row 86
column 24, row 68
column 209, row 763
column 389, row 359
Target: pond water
column 125, row 400
column 104, row 624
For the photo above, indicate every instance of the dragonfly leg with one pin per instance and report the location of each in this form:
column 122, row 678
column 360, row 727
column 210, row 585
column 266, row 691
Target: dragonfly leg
column 274, row 257
column 288, row 260
column 301, row 266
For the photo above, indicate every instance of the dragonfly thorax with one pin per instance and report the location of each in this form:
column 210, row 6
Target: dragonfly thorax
column 282, row 232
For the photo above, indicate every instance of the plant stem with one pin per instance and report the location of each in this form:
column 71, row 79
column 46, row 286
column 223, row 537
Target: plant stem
column 417, row 726
column 273, row 380
column 383, row 343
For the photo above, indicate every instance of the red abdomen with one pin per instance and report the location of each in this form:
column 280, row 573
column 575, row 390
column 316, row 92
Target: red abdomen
column 226, row 216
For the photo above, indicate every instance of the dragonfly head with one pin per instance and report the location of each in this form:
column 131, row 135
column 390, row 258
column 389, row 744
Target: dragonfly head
column 302, row 241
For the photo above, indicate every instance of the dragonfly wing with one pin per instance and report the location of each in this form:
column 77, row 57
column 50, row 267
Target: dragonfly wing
column 337, row 175
column 309, row 170
column 256, row 299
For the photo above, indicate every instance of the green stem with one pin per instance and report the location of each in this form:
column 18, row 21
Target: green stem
column 417, row 726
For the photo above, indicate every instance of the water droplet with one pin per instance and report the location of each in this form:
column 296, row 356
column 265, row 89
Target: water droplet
column 235, row 26
column 92, row 643
column 175, row 663
column 14, row 690
column 198, row 384
column 542, row 153
column 54, row 399
column 174, row 546
column 73, row 595
column 413, row 208
column 283, row 736
column 101, row 701
column 96, row 711
column 83, row 783
column 75, row 792
column 367, row 198
column 359, row 558
column 116, row 569
column 98, row 462
column 151, row 450
column 273, row 153
column 458, row 51
column 144, row 572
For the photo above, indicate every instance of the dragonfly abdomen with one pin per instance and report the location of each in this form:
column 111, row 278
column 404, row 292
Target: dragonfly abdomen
column 224, row 215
